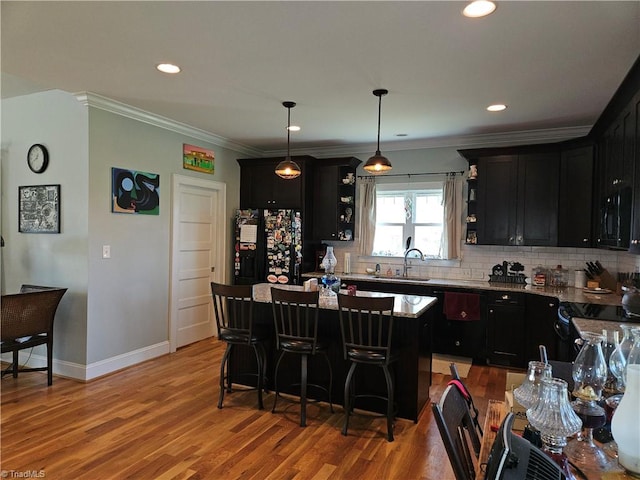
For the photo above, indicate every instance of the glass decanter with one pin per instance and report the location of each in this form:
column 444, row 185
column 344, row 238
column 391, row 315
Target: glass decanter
column 555, row 419
column 589, row 376
column 329, row 279
column 626, row 418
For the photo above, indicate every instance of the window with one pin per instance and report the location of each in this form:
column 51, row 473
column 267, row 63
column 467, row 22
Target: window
column 404, row 211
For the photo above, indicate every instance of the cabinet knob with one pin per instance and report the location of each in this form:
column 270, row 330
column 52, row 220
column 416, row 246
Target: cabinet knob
column 457, row 343
column 491, row 310
column 585, row 240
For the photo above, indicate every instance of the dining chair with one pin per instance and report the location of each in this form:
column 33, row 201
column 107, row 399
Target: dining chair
column 295, row 315
column 233, row 309
column 27, row 321
column 367, row 329
column 458, row 432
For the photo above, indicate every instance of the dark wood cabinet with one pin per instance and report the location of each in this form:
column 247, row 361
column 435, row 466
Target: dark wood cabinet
column 541, row 318
column 575, row 209
column 634, row 246
column 517, row 195
column 506, row 329
column 455, row 337
column 334, row 198
column 260, row 187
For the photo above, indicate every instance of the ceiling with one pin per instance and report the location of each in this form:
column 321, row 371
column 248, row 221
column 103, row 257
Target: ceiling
column 555, row 64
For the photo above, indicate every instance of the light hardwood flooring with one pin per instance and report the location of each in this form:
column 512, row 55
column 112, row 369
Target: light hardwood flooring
column 159, row 420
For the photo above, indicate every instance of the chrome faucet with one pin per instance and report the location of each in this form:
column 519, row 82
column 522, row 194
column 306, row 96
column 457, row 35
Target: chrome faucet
column 407, row 267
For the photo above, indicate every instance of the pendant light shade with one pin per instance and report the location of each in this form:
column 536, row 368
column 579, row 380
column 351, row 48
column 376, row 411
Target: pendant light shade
column 378, row 163
column 288, row 169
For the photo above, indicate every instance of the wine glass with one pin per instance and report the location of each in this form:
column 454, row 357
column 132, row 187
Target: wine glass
column 589, row 376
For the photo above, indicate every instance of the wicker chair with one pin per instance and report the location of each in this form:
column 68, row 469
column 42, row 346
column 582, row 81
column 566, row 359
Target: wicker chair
column 27, row 321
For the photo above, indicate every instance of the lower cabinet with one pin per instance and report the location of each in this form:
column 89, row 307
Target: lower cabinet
column 455, row 337
column 506, row 329
column 541, row 319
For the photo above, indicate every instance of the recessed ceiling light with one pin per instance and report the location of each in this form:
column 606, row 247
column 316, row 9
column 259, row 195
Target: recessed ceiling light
column 294, row 128
column 168, row 68
column 479, row 8
column 496, row 108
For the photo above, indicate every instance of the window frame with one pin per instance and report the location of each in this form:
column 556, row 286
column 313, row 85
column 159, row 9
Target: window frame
column 408, row 226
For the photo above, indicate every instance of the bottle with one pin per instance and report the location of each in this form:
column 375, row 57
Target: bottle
column 625, row 425
column 559, row 277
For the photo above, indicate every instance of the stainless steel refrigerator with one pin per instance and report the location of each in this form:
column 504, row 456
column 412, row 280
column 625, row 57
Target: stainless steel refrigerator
column 267, row 246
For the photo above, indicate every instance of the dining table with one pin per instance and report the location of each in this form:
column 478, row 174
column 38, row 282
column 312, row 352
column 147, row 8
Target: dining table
column 496, row 412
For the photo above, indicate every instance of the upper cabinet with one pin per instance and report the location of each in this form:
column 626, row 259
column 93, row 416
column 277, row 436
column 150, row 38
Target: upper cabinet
column 334, row 198
column 575, row 212
column 260, row 187
column 517, row 195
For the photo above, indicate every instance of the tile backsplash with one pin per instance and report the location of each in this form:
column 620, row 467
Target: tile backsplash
column 478, row 260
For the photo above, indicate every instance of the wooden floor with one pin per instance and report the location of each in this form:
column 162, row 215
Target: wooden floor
column 159, row 420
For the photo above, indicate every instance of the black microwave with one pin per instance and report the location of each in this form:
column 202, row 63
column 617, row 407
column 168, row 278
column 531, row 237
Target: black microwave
column 615, row 219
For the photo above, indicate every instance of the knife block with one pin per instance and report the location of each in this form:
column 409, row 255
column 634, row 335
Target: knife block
column 607, row 281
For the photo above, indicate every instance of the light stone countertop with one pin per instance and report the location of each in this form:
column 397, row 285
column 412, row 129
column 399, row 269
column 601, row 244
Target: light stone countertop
column 596, row 326
column 566, row 294
column 409, row 306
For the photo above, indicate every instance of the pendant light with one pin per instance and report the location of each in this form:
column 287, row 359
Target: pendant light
column 288, row 169
column 378, row 163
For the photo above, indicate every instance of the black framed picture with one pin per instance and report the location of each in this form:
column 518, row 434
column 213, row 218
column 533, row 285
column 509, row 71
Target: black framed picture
column 39, row 209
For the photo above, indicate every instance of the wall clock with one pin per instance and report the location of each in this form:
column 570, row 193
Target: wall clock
column 38, row 158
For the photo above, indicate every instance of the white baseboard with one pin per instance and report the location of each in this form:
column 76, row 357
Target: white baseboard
column 94, row 370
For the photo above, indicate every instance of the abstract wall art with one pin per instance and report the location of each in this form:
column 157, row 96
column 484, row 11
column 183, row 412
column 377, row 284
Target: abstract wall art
column 135, row 192
column 39, row 209
column 197, row 158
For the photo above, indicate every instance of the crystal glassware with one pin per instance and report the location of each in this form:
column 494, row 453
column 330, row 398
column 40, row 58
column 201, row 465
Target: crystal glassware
column 589, row 376
column 527, row 393
column 617, row 362
column 554, row 417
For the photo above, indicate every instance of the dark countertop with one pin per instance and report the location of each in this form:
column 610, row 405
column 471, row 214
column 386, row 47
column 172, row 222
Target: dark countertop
column 566, row 294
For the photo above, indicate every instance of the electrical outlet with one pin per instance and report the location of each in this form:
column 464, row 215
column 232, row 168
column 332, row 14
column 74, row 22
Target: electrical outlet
column 106, row 251
column 465, row 272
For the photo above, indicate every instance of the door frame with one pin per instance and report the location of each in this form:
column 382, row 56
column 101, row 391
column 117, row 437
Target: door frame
column 219, row 246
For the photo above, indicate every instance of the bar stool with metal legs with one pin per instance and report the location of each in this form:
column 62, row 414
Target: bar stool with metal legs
column 295, row 316
column 233, row 308
column 367, row 327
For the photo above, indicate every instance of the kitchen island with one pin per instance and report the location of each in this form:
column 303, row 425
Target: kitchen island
column 412, row 335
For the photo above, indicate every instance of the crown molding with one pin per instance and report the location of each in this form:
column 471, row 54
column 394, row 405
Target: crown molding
column 103, row 103
column 462, row 141
column 524, row 137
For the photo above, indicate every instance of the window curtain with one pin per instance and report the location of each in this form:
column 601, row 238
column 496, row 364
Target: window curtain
column 367, row 215
column 452, row 224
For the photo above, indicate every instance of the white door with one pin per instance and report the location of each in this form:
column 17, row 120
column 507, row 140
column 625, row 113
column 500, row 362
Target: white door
column 198, row 250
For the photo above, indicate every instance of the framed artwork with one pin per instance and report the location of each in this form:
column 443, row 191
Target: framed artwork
column 135, row 192
column 197, row 158
column 39, row 209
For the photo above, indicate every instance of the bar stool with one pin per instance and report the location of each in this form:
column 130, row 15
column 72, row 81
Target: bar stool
column 233, row 308
column 367, row 326
column 295, row 316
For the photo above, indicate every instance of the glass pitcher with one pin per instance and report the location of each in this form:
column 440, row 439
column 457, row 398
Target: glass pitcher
column 626, row 418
